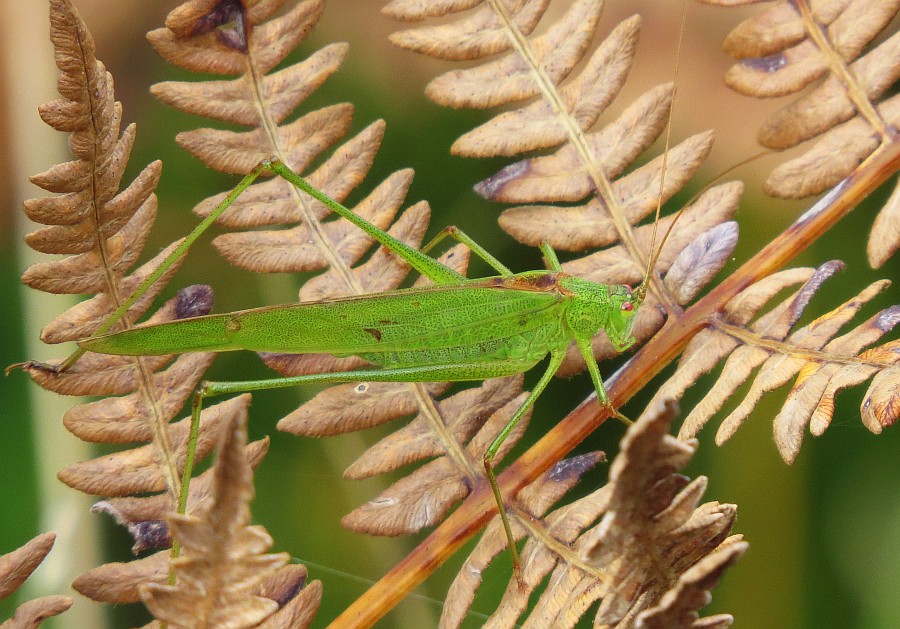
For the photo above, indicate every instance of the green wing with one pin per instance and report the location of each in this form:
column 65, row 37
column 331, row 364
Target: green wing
column 394, row 321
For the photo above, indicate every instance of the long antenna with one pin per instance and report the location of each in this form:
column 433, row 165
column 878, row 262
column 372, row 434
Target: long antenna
column 641, row 291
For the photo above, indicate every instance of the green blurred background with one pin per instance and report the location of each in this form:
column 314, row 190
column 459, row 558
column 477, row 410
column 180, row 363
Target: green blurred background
column 824, row 533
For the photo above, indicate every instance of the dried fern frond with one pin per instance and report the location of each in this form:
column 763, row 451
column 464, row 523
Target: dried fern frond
column 586, row 166
column 678, row 607
column 556, row 531
column 222, row 559
column 244, row 585
column 296, row 600
column 884, row 239
column 651, row 543
column 145, row 517
column 653, row 530
column 15, row 568
column 822, row 362
column 790, row 46
column 424, row 497
column 102, row 231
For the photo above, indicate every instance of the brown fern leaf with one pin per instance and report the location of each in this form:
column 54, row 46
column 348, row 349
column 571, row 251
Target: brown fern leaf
column 789, row 46
column 31, row 614
column 256, row 43
column 555, row 531
column 296, row 599
column 222, row 561
column 653, row 530
column 821, row 362
column 477, row 35
column 134, row 471
column 144, row 517
column 651, row 543
column 15, row 567
column 709, row 347
column 120, row 582
column 678, row 608
column 885, row 235
column 425, row 496
column 100, row 229
column 586, row 166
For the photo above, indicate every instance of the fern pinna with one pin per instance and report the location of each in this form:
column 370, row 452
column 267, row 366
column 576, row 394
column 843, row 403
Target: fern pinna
column 642, row 545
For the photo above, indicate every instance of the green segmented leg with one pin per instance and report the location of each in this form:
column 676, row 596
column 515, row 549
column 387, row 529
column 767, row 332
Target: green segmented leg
column 426, row 265
column 452, row 231
column 550, row 257
column 491, row 453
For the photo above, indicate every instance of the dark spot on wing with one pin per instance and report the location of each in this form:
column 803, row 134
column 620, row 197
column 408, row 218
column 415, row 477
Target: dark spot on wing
column 538, row 283
column 386, row 322
column 541, row 282
column 233, row 325
column 375, row 332
column 545, row 281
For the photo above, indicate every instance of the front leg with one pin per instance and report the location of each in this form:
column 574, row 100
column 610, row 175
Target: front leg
column 584, row 345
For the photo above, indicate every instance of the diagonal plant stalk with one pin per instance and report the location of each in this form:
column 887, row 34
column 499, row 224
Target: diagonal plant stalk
column 474, row 513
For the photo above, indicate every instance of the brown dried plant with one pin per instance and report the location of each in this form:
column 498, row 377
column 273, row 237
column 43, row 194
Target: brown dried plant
column 642, row 545
column 785, row 49
column 17, row 566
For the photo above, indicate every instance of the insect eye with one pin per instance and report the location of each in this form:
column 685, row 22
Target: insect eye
column 627, row 306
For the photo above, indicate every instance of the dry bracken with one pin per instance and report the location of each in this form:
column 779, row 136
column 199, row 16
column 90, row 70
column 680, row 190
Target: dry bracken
column 832, row 54
column 15, row 567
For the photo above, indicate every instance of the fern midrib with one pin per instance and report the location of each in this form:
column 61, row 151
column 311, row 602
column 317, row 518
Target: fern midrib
column 270, row 127
column 158, row 424
column 781, row 347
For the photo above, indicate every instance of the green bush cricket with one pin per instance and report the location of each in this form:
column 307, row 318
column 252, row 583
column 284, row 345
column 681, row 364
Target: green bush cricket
column 458, row 329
